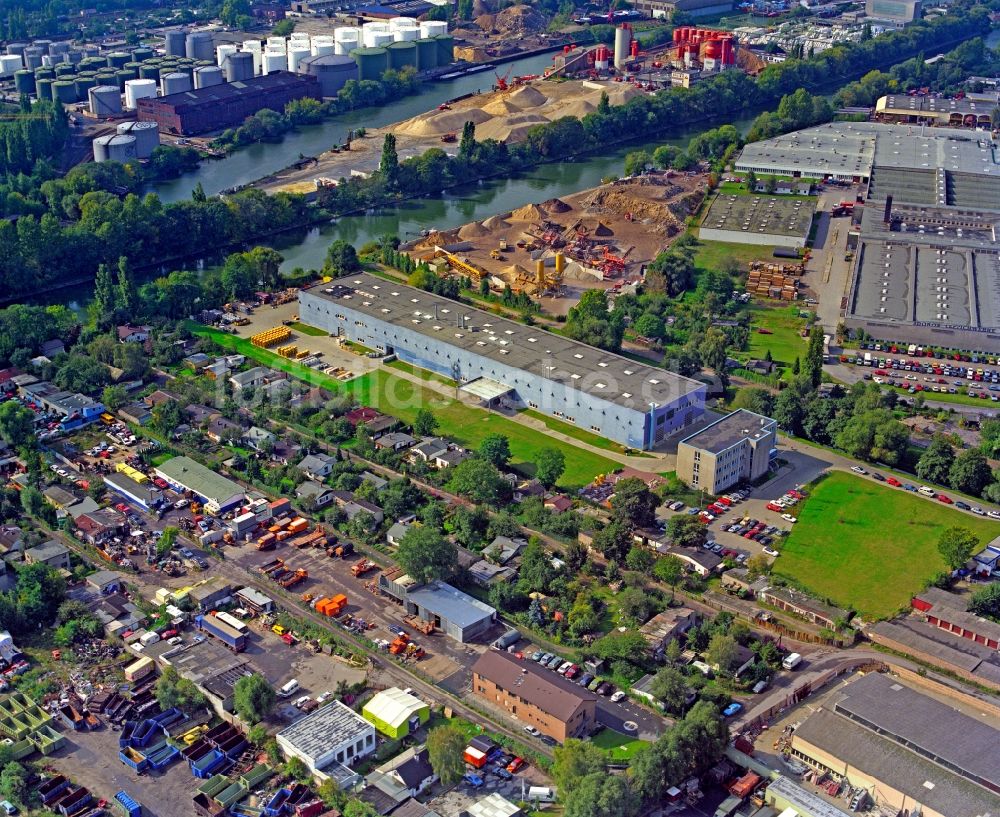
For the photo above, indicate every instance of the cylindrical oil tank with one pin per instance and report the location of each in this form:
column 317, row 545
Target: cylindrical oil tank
column 147, row 136
column 83, row 85
column 406, row 35
column 378, row 39
column 104, row 100
column 446, row 49
column 149, row 70
column 175, row 83
column 75, row 57
column 239, row 66
column 115, row 148
column 10, row 64
column 24, row 81
column 401, row 22
column 427, row 54
column 136, row 89
column 49, row 60
column 277, row 44
column 141, row 53
column 32, row 57
column 116, row 59
column 273, row 61
column 331, row 70
column 43, row 88
column 223, row 52
column 123, row 76
column 90, row 50
column 64, row 70
column 433, row 28
column 106, row 78
column 299, row 38
column 45, row 73
column 207, row 76
column 623, row 38
column 64, row 91
column 402, row 55
column 16, row 48
column 43, row 45
column 131, row 68
column 61, row 47
column 296, row 53
column 372, row 62
column 198, row 46
column 93, row 64
column 345, row 40
column 175, row 43
column 322, row 46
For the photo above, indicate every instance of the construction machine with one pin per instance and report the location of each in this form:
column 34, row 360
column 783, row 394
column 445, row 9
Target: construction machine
column 460, row 265
column 362, row 567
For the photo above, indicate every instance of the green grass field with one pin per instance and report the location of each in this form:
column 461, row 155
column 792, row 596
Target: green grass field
column 711, row 254
column 867, row 546
column 575, row 432
column 618, row 746
column 784, row 342
column 306, row 329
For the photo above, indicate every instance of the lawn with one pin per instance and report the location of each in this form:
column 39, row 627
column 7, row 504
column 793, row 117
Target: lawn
column 711, row 254
column 306, row 329
column 575, row 432
column 867, row 546
column 618, row 746
column 784, row 342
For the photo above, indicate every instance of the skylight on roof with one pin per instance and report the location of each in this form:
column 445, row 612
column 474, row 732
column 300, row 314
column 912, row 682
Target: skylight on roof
column 578, row 356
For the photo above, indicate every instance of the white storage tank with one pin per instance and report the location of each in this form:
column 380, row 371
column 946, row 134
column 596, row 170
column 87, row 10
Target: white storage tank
column 345, row 40
column 104, row 100
column 114, row 148
column 433, row 28
column 378, row 39
column 274, row 61
column 253, row 47
column 147, row 136
column 296, row 53
column 223, row 52
column 406, row 35
column 277, row 44
column 322, row 46
column 174, row 83
column 205, row 76
column 9, row 63
column 136, row 89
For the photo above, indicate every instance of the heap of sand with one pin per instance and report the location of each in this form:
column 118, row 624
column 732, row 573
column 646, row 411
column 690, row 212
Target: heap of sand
column 473, row 230
column 556, row 206
column 441, row 122
column 527, row 96
column 498, row 222
column 530, row 212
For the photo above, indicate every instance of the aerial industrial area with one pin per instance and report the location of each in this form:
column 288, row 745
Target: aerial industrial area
column 497, row 410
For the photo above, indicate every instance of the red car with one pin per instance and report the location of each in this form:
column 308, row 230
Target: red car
column 947, row 500
column 773, row 506
column 121, row 507
column 515, row 765
column 797, row 494
column 895, row 483
column 160, row 483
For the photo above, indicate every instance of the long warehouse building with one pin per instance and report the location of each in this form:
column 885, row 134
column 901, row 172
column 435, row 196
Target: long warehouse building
column 506, row 363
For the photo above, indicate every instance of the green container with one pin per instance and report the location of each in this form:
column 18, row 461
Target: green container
column 446, row 49
column 427, row 53
column 123, row 77
column 116, row 59
column 106, row 77
column 149, row 71
column 402, row 55
column 24, row 81
column 84, row 84
column 43, row 88
column 93, row 64
column 44, row 73
column 64, row 91
column 372, row 62
column 143, row 53
column 65, row 69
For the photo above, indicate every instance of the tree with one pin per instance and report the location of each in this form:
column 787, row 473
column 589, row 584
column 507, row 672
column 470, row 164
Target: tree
column 636, row 162
column 758, row 565
column 621, row 645
column 126, row 297
column 425, row 554
column 591, row 322
column 14, row 782
column 235, row 12
column 388, row 166
column 253, row 698
column 813, row 366
column 424, row 423
column 669, row 686
column 935, row 463
column 574, row 760
column 467, row 144
column 639, row 559
column 600, row 795
column 341, row 258
column 239, row 278
column 549, row 466
column 970, row 473
column 166, row 417
column 173, row 690
column 536, row 567
column 17, row 424
column 114, row 397
column 956, row 546
column 986, row 601
column 495, row 449
column 757, row 400
column 105, row 300
column 614, row 540
column 722, row 653
column 669, row 569
column 714, row 351
column 296, row 769
column 167, row 540
column 480, row 481
column 687, row 531
column 633, row 503
column 445, row 751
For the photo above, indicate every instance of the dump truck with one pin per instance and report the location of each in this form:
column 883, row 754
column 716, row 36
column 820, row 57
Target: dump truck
column 270, row 567
column 298, row 525
column 362, row 567
column 341, row 551
column 398, row 646
column 298, row 576
column 266, row 542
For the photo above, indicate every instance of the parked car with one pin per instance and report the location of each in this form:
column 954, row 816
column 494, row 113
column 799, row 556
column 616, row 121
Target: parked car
column 502, row 773
column 771, row 551
column 585, row 679
column 789, row 518
column 732, row 709
column 965, row 506
column 878, row 477
column 947, row 500
column 564, row 667
column 515, row 765
column 857, row 469
column 473, row 779
column 618, row 696
column 532, row 731
column 554, row 662
column 895, row 483
column 604, row 688
column 548, row 741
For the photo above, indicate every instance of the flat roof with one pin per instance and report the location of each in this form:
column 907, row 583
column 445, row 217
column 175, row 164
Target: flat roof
column 394, row 706
column 542, row 688
column 904, row 104
column 731, row 429
column 771, row 215
column 801, row 800
column 330, row 725
column 576, row 365
column 196, row 477
column 450, row 603
column 493, row 805
column 219, row 94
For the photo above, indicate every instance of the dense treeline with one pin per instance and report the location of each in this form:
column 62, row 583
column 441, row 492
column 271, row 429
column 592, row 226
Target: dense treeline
column 30, row 132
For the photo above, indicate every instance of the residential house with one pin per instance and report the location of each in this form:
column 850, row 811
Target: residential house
column 374, row 479
column 59, row 498
column 376, row 424
column 411, row 770
column 217, row 370
column 427, row 449
column 486, row 574
column 396, row 533
column 251, row 378
column 396, row 441
column 197, row 361
column 525, row 489
column 51, row 553
column 450, row 458
column 11, row 539
column 314, row 494
column 98, row 527
column 85, row 505
column 160, row 396
column 559, row 503
column 137, row 412
column 133, row 334
column 285, row 452
column 987, row 561
column 219, row 429
column 698, row 560
column 800, row 604
column 738, row 580
column 317, row 466
column 502, row 549
column 359, row 506
column 53, row 347
column 664, row 627
column 258, row 438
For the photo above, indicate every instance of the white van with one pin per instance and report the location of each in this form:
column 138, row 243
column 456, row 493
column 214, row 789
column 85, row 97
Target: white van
column 289, row 689
column 541, row 794
column 149, row 638
column 791, row 661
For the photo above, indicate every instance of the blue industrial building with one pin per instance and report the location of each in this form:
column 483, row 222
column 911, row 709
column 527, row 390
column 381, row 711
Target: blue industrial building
column 505, row 363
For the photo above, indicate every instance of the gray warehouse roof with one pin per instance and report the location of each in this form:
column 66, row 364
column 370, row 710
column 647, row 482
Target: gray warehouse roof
column 451, row 604
column 773, row 215
column 729, row 430
column 196, row 477
column 328, row 726
column 601, row 374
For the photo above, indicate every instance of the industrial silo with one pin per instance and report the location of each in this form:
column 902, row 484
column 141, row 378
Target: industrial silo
column 75, row 57
column 147, row 136
column 296, row 53
column 61, row 47
column 83, row 85
column 16, row 48
column 446, row 49
column 24, row 81
column 402, row 55
column 406, row 35
column 427, row 51
column 175, row 83
column 300, row 39
column 223, row 52
column 132, row 68
column 115, row 148
column 277, row 44
column 623, row 39
column 43, row 45
column 43, row 88
column 331, row 70
column 273, row 61
column 322, row 46
column 239, row 67
column 346, row 39
column 123, row 76
column 10, row 64
column 433, row 28
column 93, row 64
column 64, row 91
column 33, row 57
column 136, row 89
column 198, row 46
column 116, row 59
column 254, row 49
column 63, row 70
column 104, row 100
column 175, row 43
column 207, row 76
column 150, row 70
column 372, row 62
column 108, row 77
column 141, row 53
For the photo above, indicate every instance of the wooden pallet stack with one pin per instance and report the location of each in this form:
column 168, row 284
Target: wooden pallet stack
column 777, row 281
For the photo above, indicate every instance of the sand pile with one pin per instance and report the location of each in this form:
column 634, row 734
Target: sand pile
column 441, row 122
column 556, row 206
column 500, row 107
column 473, row 230
column 530, row 212
column 486, row 22
column 687, row 205
column 578, row 108
column 513, row 272
column 615, row 201
column 518, row 20
column 511, row 128
column 528, row 96
column 494, row 223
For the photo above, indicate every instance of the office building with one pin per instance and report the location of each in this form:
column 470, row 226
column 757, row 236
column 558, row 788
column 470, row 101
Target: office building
column 736, row 448
column 332, row 735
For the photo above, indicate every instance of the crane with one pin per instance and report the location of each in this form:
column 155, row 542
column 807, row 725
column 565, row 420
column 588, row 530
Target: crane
column 502, row 80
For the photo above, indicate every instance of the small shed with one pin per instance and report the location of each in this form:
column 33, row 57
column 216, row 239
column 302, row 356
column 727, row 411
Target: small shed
column 396, row 713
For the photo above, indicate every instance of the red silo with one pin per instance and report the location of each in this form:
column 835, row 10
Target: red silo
column 678, row 34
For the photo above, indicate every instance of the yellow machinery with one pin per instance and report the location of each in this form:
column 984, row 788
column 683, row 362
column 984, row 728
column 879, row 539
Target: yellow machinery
column 269, row 337
column 462, row 266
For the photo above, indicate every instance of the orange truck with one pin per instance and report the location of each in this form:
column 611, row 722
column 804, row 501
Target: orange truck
column 295, row 578
column 266, row 542
column 332, row 606
column 282, row 535
column 362, row 567
column 298, row 525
